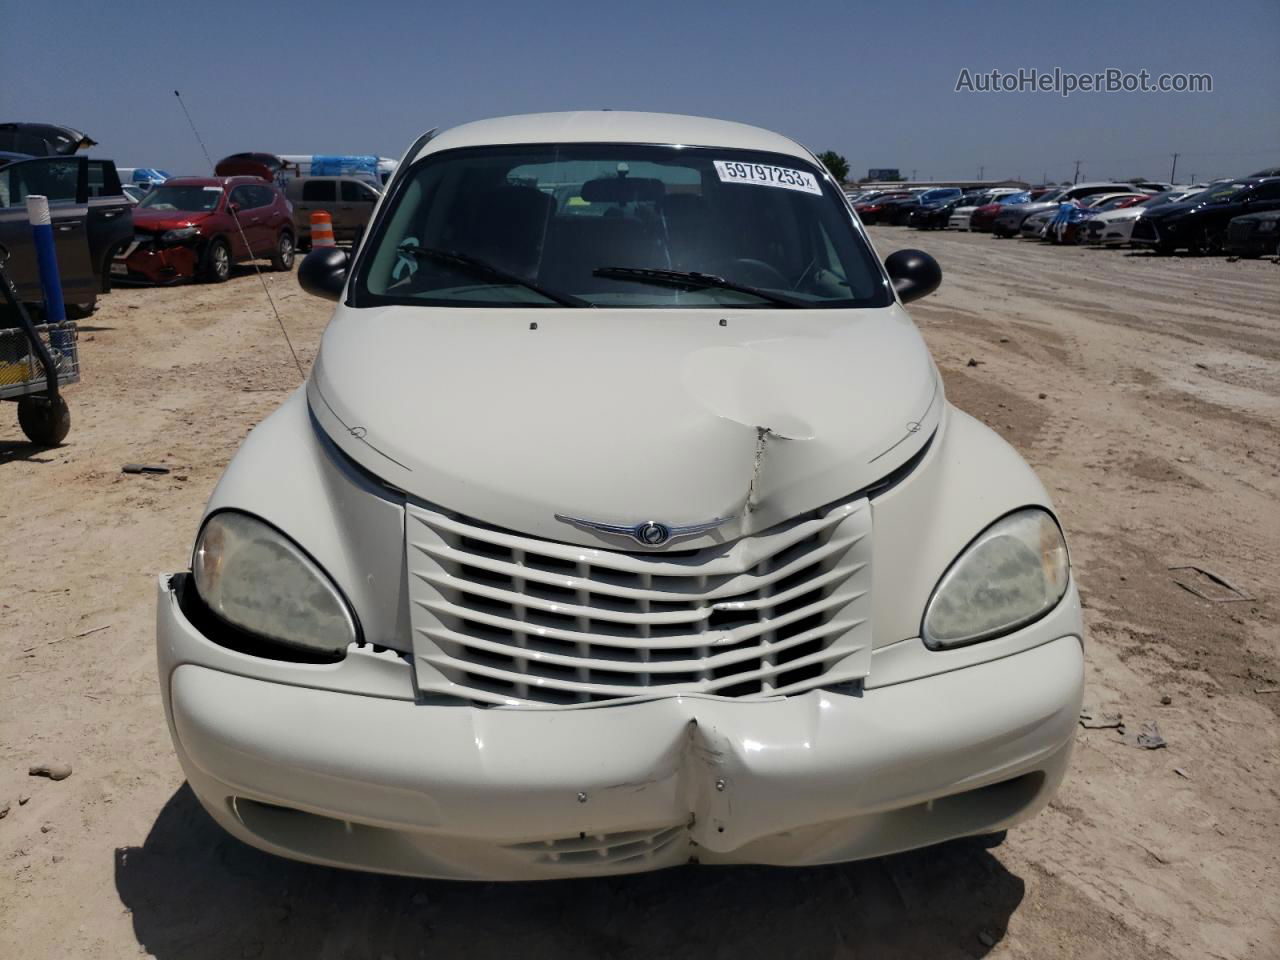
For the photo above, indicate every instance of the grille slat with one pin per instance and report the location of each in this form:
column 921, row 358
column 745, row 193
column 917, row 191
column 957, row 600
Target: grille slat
column 642, row 666
column 617, row 690
column 684, row 589
column 505, row 619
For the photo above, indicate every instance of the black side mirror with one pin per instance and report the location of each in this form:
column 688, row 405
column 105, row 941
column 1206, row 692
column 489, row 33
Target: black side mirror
column 914, row 273
column 323, row 272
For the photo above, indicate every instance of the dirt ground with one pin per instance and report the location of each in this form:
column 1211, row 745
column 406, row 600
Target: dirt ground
column 1145, row 390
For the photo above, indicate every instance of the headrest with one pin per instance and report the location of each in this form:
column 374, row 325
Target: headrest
column 623, row 190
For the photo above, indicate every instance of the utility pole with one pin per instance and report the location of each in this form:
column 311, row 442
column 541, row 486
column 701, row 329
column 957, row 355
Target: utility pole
column 981, row 170
column 1076, row 178
column 913, row 173
column 1174, row 169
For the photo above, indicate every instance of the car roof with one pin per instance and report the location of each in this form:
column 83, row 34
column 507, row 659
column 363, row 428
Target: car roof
column 215, row 182
column 612, row 126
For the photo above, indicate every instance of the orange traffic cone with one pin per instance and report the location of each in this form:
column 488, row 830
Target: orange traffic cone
column 322, row 230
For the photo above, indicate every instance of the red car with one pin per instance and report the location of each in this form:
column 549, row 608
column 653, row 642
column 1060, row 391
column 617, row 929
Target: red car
column 869, row 210
column 197, row 227
column 983, row 219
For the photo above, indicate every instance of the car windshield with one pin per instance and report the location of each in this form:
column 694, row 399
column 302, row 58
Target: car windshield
column 1223, row 192
column 617, row 225
column 1009, row 198
column 186, row 199
column 943, row 193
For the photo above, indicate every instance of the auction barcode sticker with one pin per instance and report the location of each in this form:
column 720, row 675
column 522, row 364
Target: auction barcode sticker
column 764, row 175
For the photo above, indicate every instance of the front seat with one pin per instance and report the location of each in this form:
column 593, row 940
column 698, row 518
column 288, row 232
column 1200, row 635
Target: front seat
column 505, row 227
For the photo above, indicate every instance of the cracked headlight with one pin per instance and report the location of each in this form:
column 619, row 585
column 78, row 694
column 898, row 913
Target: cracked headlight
column 259, row 580
column 1013, row 573
column 180, row 235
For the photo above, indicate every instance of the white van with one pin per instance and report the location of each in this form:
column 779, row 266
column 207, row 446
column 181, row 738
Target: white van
column 622, row 523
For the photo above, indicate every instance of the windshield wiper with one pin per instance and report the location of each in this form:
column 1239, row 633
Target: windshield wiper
column 694, row 281
column 478, row 267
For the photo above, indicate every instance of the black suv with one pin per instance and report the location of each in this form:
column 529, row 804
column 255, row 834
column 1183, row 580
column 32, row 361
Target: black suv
column 1199, row 224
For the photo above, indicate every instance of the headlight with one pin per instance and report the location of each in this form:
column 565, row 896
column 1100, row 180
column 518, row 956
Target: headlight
column 254, row 577
column 1266, row 226
column 179, row 234
column 1013, row 573
column 1126, row 218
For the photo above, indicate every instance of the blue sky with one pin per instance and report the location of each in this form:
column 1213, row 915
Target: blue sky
column 875, row 82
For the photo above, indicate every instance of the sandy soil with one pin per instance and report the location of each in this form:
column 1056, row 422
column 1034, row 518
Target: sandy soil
column 1146, row 391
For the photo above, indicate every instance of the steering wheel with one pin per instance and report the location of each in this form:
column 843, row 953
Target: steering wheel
column 756, row 273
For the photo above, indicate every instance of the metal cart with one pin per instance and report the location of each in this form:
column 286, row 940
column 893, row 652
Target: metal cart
column 36, row 360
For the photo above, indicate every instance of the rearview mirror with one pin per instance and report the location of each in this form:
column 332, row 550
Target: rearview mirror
column 323, row 272
column 914, row 273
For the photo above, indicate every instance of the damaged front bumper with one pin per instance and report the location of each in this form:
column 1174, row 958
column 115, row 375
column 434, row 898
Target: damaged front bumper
column 338, row 764
column 152, row 263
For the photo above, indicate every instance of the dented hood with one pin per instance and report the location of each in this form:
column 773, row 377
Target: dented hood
column 624, row 416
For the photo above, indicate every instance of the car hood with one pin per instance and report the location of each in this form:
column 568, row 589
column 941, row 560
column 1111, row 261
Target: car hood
column 624, row 416
column 1183, row 208
column 1027, row 209
column 1124, row 213
column 167, row 219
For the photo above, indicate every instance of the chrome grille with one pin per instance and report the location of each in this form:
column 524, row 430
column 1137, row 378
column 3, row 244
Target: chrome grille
column 501, row 618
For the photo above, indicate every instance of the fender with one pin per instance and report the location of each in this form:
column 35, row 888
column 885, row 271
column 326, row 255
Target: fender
column 969, row 478
column 289, row 475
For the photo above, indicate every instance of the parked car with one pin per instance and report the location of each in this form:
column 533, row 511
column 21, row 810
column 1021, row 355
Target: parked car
column 901, row 211
column 869, row 210
column 348, row 201
column 716, row 624
column 935, row 216
column 1254, row 235
column 263, row 166
column 960, row 214
column 1034, row 226
column 144, row 177
column 197, row 227
column 91, row 217
column 1114, row 227
column 43, row 139
column 133, row 192
column 1008, row 222
column 982, row 219
column 1199, row 224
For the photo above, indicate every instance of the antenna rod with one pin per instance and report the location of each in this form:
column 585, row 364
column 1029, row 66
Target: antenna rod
column 265, row 289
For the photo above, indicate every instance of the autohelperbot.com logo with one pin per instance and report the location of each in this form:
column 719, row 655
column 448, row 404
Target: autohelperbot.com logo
column 1065, row 82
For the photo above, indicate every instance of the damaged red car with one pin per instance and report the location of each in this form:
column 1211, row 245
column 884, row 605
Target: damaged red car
column 198, row 227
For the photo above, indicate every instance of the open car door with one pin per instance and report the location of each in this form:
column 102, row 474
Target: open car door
column 64, row 180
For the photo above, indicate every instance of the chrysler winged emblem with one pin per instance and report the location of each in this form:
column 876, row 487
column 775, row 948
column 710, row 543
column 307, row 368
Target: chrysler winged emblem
column 648, row 533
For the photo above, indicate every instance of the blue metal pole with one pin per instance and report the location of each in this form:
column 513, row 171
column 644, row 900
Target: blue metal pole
column 46, row 258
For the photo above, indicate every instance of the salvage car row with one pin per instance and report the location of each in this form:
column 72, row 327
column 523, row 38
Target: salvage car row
column 141, row 225
column 1240, row 216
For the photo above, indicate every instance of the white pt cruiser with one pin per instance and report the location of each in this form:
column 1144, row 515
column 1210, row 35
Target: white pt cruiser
column 621, row 523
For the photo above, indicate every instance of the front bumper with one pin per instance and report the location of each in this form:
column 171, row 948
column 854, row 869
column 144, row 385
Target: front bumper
column 337, row 763
column 155, row 264
column 1249, row 240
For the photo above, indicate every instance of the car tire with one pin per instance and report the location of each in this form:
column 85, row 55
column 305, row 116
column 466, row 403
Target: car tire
column 282, row 259
column 46, row 423
column 80, row 311
column 1206, row 244
column 217, row 262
